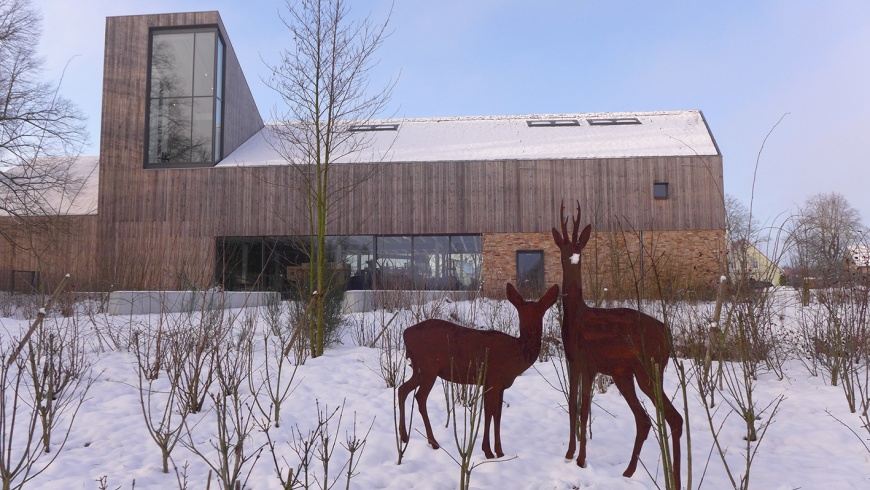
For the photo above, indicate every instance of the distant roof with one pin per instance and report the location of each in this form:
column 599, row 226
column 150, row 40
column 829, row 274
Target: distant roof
column 859, row 255
column 76, row 199
column 523, row 137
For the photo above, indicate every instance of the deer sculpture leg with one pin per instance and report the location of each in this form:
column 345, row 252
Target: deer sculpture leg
column 406, row 388
column 625, row 384
column 490, row 401
column 672, row 416
column 585, row 402
column 573, row 387
column 421, row 397
column 497, row 428
column 424, row 384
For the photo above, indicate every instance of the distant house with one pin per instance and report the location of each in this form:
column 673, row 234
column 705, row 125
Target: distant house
column 190, row 190
column 858, row 258
column 747, row 263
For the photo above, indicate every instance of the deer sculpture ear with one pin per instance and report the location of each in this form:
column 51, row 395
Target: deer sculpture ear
column 557, row 237
column 550, row 297
column 513, row 296
column 584, row 236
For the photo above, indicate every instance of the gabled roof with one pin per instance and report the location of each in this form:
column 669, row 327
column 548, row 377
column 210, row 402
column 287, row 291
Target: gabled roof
column 523, row 137
column 78, row 198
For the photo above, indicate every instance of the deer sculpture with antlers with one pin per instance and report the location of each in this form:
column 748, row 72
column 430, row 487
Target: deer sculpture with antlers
column 439, row 348
column 622, row 343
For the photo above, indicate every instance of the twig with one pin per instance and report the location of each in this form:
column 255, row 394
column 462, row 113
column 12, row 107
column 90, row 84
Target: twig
column 40, row 316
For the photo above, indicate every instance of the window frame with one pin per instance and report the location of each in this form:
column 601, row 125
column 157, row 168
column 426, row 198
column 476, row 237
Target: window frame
column 218, row 109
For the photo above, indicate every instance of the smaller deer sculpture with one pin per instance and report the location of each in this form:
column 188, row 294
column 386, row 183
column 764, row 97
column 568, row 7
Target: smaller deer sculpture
column 623, row 343
column 438, row 348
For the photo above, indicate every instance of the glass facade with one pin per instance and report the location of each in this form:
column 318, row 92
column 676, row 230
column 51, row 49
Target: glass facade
column 185, row 98
column 434, row 262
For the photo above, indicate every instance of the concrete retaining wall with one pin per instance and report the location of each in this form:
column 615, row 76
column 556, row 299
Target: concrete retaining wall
column 362, row 301
column 148, row 302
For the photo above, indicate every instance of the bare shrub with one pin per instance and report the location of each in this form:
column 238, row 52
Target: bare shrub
column 391, row 357
column 57, row 364
column 163, row 408
column 363, row 330
column 275, row 375
column 196, row 338
column 318, row 445
column 842, row 344
column 230, row 453
column 497, row 315
column 467, row 428
column 22, row 434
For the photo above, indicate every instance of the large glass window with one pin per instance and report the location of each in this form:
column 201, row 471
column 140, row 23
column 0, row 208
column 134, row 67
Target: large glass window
column 432, row 268
column 465, row 259
column 437, row 262
column 185, row 98
column 393, row 262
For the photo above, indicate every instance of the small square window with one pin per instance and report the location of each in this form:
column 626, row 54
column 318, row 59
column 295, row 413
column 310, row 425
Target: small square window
column 660, row 190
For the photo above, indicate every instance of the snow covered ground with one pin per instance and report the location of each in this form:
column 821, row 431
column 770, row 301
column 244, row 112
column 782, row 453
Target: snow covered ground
column 804, row 447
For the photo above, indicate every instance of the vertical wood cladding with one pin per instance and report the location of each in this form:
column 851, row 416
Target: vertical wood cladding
column 429, row 198
column 134, row 200
column 188, row 207
column 159, row 222
column 55, row 246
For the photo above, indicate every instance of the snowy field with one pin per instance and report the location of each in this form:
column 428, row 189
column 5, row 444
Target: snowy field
column 813, row 442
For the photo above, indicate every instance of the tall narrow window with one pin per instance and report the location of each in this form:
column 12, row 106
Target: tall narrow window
column 185, row 98
column 530, row 272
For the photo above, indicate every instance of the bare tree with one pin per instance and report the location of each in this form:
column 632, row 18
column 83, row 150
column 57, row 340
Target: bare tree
column 820, row 235
column 739, row 222
column 741, row 232
column 323, row 80
column 40, row 131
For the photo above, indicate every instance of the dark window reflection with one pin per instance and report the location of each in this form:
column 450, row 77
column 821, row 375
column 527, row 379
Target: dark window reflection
column 185, row 100
column 393, row 263
column 466, row 258
column 432, row 267
column 530, row 273
column 359, row 262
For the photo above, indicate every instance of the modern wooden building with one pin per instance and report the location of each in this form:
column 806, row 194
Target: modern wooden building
column 192, row 191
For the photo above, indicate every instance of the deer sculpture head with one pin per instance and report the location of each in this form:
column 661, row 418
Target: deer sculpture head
column 571, row 252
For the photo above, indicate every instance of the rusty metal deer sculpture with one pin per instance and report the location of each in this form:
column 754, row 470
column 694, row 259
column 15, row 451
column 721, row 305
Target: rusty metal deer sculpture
column 438, row 348
column 620, row 342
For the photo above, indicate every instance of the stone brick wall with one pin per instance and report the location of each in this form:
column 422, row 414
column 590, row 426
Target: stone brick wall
column 671, row 260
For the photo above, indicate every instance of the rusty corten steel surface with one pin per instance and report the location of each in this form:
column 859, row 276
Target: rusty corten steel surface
column 622, row 343
column 438, row 348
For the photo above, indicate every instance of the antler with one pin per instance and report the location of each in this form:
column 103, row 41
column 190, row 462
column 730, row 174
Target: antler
column 564, row 221
column 576, row 225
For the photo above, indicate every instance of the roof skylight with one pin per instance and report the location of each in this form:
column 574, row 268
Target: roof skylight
column 373, row 127
column 613, row 121
column 551, row 123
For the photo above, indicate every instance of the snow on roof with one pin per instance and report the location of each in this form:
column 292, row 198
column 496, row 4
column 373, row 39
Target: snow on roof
column 549, row 136
column 78, row 198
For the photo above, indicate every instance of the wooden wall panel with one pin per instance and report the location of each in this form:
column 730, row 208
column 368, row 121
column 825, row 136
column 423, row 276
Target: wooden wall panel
column 53, row 246
column 197, row 205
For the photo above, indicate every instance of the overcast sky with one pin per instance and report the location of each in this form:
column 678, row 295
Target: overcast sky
column 745, row 64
